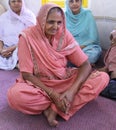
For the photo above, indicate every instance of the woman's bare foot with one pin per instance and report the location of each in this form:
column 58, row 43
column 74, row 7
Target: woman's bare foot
column 51, row 117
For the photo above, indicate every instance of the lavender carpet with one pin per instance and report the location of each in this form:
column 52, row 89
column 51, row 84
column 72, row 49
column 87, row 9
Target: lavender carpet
column 99, row 114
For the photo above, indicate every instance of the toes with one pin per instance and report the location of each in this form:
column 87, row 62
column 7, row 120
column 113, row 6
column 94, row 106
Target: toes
column 51, row 117
column 53, row 123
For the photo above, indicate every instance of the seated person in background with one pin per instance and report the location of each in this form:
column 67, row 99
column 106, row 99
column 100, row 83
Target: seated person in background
column 80, row 22
column 110, row 68
column 110, row 57
column 12, row 22
column 46, row 84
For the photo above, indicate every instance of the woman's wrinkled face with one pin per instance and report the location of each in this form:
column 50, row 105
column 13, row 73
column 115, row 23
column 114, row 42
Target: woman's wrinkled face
column 53, row 22
column 16, row 6
column 75, row 6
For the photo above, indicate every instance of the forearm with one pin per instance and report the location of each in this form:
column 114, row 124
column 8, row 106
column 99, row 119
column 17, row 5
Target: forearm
column 12, row 48
column 36, row 82
column 83, row 73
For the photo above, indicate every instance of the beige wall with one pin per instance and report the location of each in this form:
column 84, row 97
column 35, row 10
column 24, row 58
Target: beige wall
column 103, row 7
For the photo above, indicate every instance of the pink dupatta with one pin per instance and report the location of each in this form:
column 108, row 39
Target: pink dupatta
column 51, row 60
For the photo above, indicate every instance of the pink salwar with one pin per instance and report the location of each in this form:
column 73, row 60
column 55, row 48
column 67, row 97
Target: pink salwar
column 28, row 99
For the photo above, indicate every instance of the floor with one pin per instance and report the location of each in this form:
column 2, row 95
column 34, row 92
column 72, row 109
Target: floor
column 99, row 114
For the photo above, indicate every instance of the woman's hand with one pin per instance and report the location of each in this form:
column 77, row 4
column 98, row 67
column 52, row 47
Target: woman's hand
column 69, row 97
column 5, row 53
column 61, row 102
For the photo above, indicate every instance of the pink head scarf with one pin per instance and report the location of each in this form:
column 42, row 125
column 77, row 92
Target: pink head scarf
column 26, row 16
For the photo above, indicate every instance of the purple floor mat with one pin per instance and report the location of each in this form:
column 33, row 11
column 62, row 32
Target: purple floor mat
column 99, row 114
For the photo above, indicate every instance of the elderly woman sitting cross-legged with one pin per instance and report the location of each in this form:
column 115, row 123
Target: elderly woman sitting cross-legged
column 46, row 84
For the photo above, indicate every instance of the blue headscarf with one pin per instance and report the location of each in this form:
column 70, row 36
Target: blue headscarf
column 82, row 26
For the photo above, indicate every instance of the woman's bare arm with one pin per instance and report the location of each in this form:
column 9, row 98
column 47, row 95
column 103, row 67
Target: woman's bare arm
column 83, row 72
column 35, row 80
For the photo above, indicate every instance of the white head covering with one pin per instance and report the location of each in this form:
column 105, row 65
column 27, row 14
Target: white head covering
column 26, row 16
